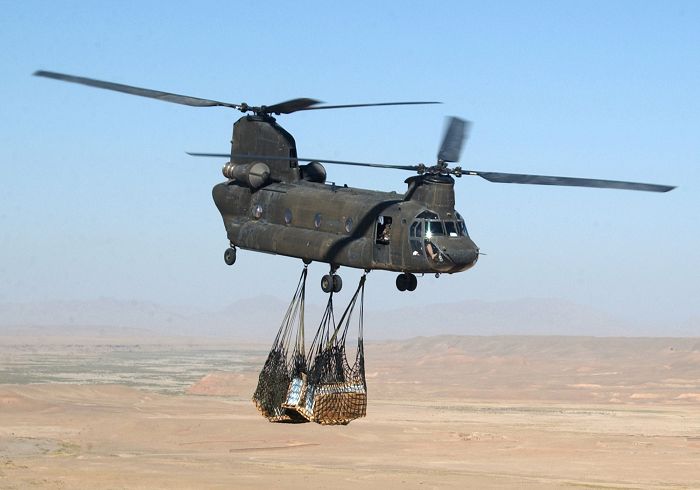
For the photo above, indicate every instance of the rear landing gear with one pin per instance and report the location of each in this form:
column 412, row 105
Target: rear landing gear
column 230, row 256
column 406, row 282
column 331, row 282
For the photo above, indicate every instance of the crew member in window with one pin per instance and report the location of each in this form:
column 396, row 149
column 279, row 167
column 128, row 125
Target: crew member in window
column 386, row 233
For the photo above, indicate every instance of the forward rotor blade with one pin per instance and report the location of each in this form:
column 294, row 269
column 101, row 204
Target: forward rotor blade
column 344, row 106
column 143, row 92
column 300, row 159
column 215, row 155
column 455, row 134
column 290, row 106
column 505, row 178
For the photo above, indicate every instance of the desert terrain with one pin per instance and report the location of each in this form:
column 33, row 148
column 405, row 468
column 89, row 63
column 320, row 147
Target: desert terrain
column 444, row 412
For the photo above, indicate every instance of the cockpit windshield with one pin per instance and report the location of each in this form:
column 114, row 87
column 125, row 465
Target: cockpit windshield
column 434, row 228
column 431, row 225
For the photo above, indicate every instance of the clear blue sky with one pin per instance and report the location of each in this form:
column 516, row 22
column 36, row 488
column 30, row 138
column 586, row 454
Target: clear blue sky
column 99, row 199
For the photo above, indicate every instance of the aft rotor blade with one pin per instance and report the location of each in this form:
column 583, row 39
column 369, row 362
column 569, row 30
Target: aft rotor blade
column 506, row 178
column 455, row 134
column 344, row 106
column 300, row 159
column 143, row 92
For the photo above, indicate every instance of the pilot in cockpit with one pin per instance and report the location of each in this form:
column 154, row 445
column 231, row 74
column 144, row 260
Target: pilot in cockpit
column 430, row 250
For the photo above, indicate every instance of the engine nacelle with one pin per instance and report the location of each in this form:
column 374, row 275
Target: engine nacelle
column 254, row 175
column 313, row 172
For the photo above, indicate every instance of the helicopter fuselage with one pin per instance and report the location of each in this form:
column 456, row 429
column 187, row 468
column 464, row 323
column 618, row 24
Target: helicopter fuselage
column 345, row 226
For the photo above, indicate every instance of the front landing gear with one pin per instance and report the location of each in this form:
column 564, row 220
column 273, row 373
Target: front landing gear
column 406, row 282
column 331, row 282
column 230, row 255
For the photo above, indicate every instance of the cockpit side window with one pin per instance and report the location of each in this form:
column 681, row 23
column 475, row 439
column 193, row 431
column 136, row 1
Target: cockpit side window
column 462, row 228
column 416, row 247
column 417, row 229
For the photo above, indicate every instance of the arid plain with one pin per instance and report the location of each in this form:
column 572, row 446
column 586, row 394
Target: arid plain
column 444, row 412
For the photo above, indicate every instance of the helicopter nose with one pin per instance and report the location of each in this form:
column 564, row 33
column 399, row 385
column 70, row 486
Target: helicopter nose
column 465, row 258
column 469, row 258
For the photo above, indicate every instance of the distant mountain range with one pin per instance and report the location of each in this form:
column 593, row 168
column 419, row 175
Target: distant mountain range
column 257, row 319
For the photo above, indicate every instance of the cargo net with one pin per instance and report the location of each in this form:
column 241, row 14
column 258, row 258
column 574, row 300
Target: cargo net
column 282, row 365
column 323, row 387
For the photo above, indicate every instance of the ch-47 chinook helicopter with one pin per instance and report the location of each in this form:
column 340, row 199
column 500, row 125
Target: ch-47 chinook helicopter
column 272, row 203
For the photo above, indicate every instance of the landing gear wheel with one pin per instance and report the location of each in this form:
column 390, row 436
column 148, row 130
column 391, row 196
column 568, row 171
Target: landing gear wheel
column 406, row 282
column 401, row 282
column 230, row 256
column 412, row 282
column 327, row 283
column 337, row 284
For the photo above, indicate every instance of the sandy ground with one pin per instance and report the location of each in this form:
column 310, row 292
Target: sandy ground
column 508, row 412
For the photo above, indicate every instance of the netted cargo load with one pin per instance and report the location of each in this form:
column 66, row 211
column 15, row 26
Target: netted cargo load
column 282, row 365
column 333, row 392
column 322, row 387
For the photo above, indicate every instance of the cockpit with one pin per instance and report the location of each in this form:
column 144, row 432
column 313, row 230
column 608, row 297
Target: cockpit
column 432, row 236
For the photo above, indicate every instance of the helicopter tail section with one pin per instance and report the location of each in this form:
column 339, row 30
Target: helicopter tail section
column 258, row 135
